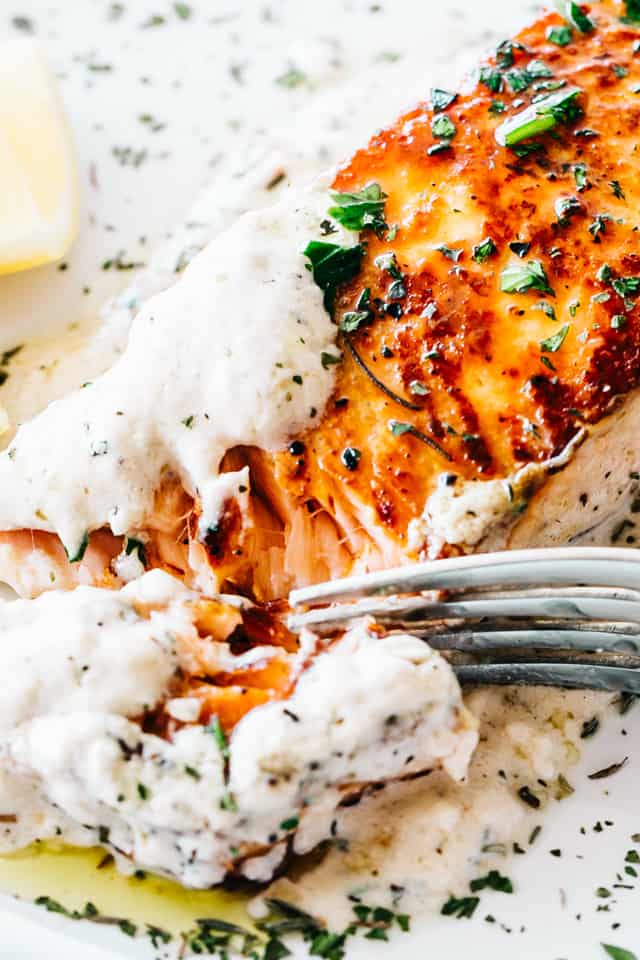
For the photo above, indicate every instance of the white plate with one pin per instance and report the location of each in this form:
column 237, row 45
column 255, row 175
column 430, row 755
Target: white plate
column 181, row 73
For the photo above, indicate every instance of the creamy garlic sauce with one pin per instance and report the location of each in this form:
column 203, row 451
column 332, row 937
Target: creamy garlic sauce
column 76, row 766
column 470, row 513
column 427, row 837
column 231, row 354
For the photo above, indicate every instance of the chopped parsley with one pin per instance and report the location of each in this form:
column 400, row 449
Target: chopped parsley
column 574, row 14
column 132, row 545
column 451, row 253
column 617, row 190
column 618, row 953
column 547, row 308
column 398, row 428
column 80, row 550
column 388, row 262
column 491, row 78
column 626, row 286
column 227, row 801
column 484, row 250
column 443, row 128
column 632, row 11
column 441, row 99
column 219, row 736
column 329, row 359
column 567, row 207
column 540, row 117
column 330, row 265
column 291, row 78
column 598, row 226
column 460, row 907
column 521, row 278
column 494, row 881
column 589, row 728
column 580, row 175
column 352, row 320
column 561, row 36
column 361, row 210
column 553, row 344
column 290, row 823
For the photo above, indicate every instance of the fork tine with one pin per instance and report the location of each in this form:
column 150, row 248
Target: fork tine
column 560, row 603
column 534, row 637
column 592, row 676
column 556, row 566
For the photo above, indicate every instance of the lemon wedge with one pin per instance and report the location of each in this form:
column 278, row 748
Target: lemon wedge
column 39, row 195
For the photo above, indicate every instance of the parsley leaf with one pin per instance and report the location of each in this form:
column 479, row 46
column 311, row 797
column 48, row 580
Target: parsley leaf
column 484, row 250
column 633, row 11
column 330, row 265
column 443, row 127
column 561, row 36
column 441, row 99
column 580, row 174
column 521, row 278
column 462, row 907
column 553, row 344
column 491, row 78
column 451, row 253
column 576, row 17
column 540, row 117
column 618, row 953
column 361, row 210
column 494, row 881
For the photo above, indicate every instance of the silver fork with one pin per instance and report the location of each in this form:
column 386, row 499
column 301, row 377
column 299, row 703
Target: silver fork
column 565, row 617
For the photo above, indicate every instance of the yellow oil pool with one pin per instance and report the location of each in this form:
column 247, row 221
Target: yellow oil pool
column 73, row 876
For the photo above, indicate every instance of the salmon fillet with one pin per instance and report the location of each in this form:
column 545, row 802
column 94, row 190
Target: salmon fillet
column 489, row 338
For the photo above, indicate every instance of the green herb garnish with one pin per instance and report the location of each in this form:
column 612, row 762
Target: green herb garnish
column 540, row 117
column 521, row 278
column 632, row 12
column 626, row 286
column 491, row 78
column 567, row 207
column 80, row 550
column 329, row 359
column 219, row 736
column 361, row 210
column 290, row 824
column 494, row 881
column 618, row 953
column 580, row 174
column 484, row 250
column 460, row 907
column 441, row 99
column 561, row 36
column 330, row 265
column 443, row 127
column 553, row 344
column 451, row 253
column 573, row 13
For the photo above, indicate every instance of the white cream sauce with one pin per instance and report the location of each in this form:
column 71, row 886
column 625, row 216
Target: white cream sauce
column 76, row 765
column 231, row 354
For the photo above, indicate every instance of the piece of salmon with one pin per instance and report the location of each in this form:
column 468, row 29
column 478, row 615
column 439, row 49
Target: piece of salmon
column 487, row 394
